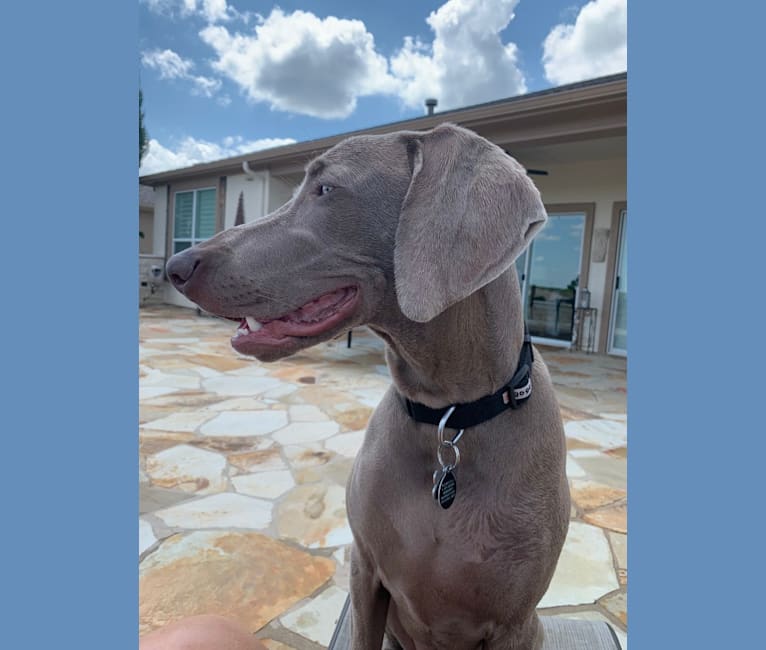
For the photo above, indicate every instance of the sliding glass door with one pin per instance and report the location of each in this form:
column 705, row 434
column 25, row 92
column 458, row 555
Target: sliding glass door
column 549, row 272
column 618, row 327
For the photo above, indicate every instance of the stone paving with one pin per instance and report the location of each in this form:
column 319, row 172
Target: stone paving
column 243, row 468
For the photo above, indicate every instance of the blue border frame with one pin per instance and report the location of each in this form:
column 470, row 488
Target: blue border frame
column 696, row 233
column 70, row 325
column 696, row 141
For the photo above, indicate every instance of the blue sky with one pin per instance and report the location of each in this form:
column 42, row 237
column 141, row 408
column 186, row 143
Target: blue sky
column 222, row 78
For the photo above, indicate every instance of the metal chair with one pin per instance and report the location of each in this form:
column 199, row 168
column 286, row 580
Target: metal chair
column 560, row 633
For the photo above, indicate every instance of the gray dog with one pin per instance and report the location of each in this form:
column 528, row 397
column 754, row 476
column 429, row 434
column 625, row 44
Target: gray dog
column 415, row 234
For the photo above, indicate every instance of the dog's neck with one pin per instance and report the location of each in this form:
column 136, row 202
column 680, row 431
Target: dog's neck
column 468, row 351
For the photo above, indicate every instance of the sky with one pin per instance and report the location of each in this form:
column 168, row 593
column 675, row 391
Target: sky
column 224, row 78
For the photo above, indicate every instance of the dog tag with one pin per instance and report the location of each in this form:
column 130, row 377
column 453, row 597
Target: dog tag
column 438, row 476
column 445, row 489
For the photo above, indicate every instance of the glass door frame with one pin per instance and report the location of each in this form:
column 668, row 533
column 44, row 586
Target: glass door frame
column 621, row 233
column 553, row 209
column 605, row 324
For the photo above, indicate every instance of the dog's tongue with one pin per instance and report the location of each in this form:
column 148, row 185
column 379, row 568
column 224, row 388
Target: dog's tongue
column 319, row 308
column 306, row 320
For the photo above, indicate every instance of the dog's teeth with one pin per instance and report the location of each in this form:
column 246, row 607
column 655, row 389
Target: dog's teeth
column 253, row 324
column 241, row 331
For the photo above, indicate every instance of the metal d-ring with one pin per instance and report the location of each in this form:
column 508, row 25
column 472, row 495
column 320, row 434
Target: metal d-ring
column 451, row 444
column 443, row 423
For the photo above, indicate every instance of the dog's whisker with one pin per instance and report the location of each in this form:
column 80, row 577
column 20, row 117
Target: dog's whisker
column 261, row 296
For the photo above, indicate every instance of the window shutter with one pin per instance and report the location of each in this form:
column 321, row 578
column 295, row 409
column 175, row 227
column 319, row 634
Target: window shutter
column 182, row 228
column 205, row 222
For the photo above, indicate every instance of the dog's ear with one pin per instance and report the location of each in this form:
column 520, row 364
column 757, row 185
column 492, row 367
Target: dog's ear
column 469, row 213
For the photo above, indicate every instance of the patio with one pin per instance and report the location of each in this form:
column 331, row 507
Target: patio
column 243, row 468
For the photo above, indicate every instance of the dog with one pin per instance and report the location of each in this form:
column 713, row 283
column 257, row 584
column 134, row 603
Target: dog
column 415, row 234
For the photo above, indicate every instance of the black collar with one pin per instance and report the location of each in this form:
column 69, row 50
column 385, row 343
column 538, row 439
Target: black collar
column 510, row 396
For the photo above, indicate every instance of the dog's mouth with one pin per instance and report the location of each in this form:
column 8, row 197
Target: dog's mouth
column 313, row 319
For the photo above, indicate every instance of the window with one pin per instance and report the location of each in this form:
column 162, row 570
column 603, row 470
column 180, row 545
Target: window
column 193, row 218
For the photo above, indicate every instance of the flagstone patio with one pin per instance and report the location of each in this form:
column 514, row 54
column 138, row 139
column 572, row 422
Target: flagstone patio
column 243, row 468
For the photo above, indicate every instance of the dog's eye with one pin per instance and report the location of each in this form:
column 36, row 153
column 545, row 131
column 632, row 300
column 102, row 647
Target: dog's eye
column 325, row 189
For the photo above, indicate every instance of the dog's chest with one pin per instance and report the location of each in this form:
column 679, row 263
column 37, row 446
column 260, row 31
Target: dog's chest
column 441, row 576
column 398, row 488
column 437, row 547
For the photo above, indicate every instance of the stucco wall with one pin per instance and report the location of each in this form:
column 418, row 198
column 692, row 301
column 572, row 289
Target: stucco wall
column 169, row 294
column 159, row 226
column 159, row 231
column 280, row 193
column 252, row 189
column 146, row 227
column 601, row 182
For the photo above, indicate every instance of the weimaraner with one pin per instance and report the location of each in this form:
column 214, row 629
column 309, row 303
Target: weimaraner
column 415, row 235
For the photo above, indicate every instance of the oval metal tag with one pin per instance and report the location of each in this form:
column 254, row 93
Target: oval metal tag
column 446, row 490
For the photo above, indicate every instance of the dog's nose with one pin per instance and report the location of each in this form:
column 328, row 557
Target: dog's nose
column 181, row 267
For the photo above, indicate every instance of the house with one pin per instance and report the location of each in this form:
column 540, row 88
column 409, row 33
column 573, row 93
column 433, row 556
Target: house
column 145, row 219
column 571, row 139
column 150, row 265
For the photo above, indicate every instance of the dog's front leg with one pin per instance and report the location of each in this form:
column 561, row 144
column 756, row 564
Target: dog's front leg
column 369, row 604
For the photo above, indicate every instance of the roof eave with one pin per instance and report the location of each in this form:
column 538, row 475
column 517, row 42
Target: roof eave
column 596, row 91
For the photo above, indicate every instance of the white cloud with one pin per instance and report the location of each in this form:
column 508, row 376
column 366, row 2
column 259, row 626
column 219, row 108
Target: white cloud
column 205, row 86
column 301, row 63
column 158, row 6
column 212, row 11
column 298, row 62
column 191, row 151
column 467, row 62
column 171, row 66
column 595, row 45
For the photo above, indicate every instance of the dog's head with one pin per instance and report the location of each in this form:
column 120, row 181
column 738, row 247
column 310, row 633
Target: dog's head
column 431, row 216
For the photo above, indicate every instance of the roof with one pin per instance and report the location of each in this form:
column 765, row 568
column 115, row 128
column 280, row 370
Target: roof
column 593, row 106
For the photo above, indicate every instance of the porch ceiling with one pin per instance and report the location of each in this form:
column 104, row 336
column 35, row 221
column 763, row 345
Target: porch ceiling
column 608, row 148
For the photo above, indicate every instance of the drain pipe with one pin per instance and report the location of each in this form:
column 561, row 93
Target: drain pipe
column 266, row 192
column 250, row 175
